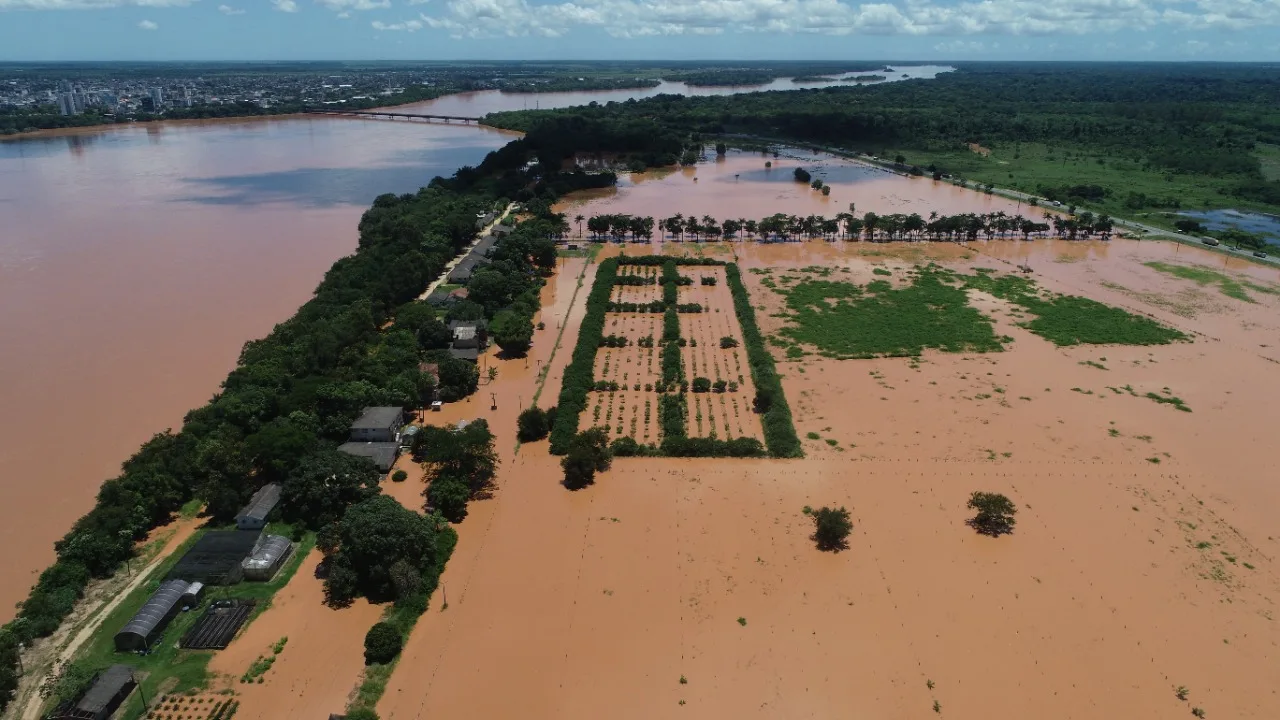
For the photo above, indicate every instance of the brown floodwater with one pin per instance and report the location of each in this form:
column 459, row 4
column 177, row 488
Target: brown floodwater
column 135, row 262
column 739, row 185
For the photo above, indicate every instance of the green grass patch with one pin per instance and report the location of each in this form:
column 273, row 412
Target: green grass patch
column 1202, row 276
column 1031, row 166
column 175, row 669
column 844, row 320
column 880, row 271
column 1168, row 400
column 1068, row 320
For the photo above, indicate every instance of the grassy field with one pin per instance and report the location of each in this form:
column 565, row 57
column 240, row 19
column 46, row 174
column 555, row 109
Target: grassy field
column 844, row 320
column 1230, row 286
column 169, row 668
column 1027, row 167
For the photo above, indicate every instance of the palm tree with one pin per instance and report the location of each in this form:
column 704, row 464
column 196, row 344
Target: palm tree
column 579, row 219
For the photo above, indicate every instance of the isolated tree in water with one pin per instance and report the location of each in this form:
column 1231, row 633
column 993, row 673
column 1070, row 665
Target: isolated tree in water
column 831, row 528
column 995, row 514
column 588, row 454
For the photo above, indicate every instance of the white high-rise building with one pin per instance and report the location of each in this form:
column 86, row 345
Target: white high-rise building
column 157, row 97
column 67, row 104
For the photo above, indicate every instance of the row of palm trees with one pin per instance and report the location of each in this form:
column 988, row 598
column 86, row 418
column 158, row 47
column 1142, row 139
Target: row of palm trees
column 870, row 226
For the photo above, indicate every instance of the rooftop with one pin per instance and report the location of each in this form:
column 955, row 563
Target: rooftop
column 108, row 683
column 383, row 454
column 262, row 502
column 374, row 418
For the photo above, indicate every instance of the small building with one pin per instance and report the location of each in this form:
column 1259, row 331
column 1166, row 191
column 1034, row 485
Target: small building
column 254, row 515
column 469, row 339
column 383, row 454
column 109, row 691
column 378, row 424
column 483, row 219
column 484, row 246
column 267, row 558
column 502, row 230
column 193, row 595
column 152, row 618
column 466, row 267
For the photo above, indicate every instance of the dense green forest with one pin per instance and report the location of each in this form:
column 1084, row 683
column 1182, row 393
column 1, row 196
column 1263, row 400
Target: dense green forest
column 360, row 341
column 1147, row 135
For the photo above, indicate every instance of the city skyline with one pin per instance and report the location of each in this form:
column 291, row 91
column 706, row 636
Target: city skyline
column 187, row 30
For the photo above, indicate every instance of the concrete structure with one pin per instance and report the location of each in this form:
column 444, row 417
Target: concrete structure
column 109, row 690
column 152, row 618
column 378, row 424
column 254, row 515
column 157, row 97
column 383, row 454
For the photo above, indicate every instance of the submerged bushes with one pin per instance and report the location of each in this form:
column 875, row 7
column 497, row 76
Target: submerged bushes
column 578, row 376
column 779, row 431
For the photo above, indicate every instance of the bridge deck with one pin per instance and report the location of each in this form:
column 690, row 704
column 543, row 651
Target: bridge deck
column 392, row 115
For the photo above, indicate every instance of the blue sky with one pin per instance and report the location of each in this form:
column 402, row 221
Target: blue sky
column 1232, row 30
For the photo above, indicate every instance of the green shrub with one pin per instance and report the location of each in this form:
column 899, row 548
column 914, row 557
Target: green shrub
column 831, row 528
column 381, row 644
column 533, row 424
column 701, row 385
column 399, row 476
column 995, row 514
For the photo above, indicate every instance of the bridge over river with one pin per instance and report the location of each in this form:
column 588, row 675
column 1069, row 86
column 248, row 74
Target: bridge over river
column 383, row 115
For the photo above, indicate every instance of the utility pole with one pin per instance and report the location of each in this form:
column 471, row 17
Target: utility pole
column 494, row 398
column 145, row 705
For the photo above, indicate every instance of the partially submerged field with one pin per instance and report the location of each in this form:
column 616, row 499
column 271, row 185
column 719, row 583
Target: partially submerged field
column 1142, row 562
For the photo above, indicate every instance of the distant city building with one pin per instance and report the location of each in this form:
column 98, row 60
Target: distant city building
column 67, row 104
column 157, row 97
column 186, row 97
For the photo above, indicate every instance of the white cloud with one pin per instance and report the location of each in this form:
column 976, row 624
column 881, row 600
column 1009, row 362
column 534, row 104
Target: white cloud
column 406, row 26
column 87, row 4
column 638, row 18
column 148, row 25
column 348, row 5
column 228, row 10
column 289, row 6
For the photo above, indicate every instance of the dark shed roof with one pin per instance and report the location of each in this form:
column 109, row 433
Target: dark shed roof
column 262, row 503
column 157, row 610
column 377, row 418
column 106, row 688
column 383, row 454
column 484, row 246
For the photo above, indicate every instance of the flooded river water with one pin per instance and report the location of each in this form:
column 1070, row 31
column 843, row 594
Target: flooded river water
column 135, row 261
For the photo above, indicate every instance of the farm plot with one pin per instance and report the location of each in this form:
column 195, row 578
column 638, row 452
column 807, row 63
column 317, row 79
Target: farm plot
column 630, row 408
column 715, row 361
